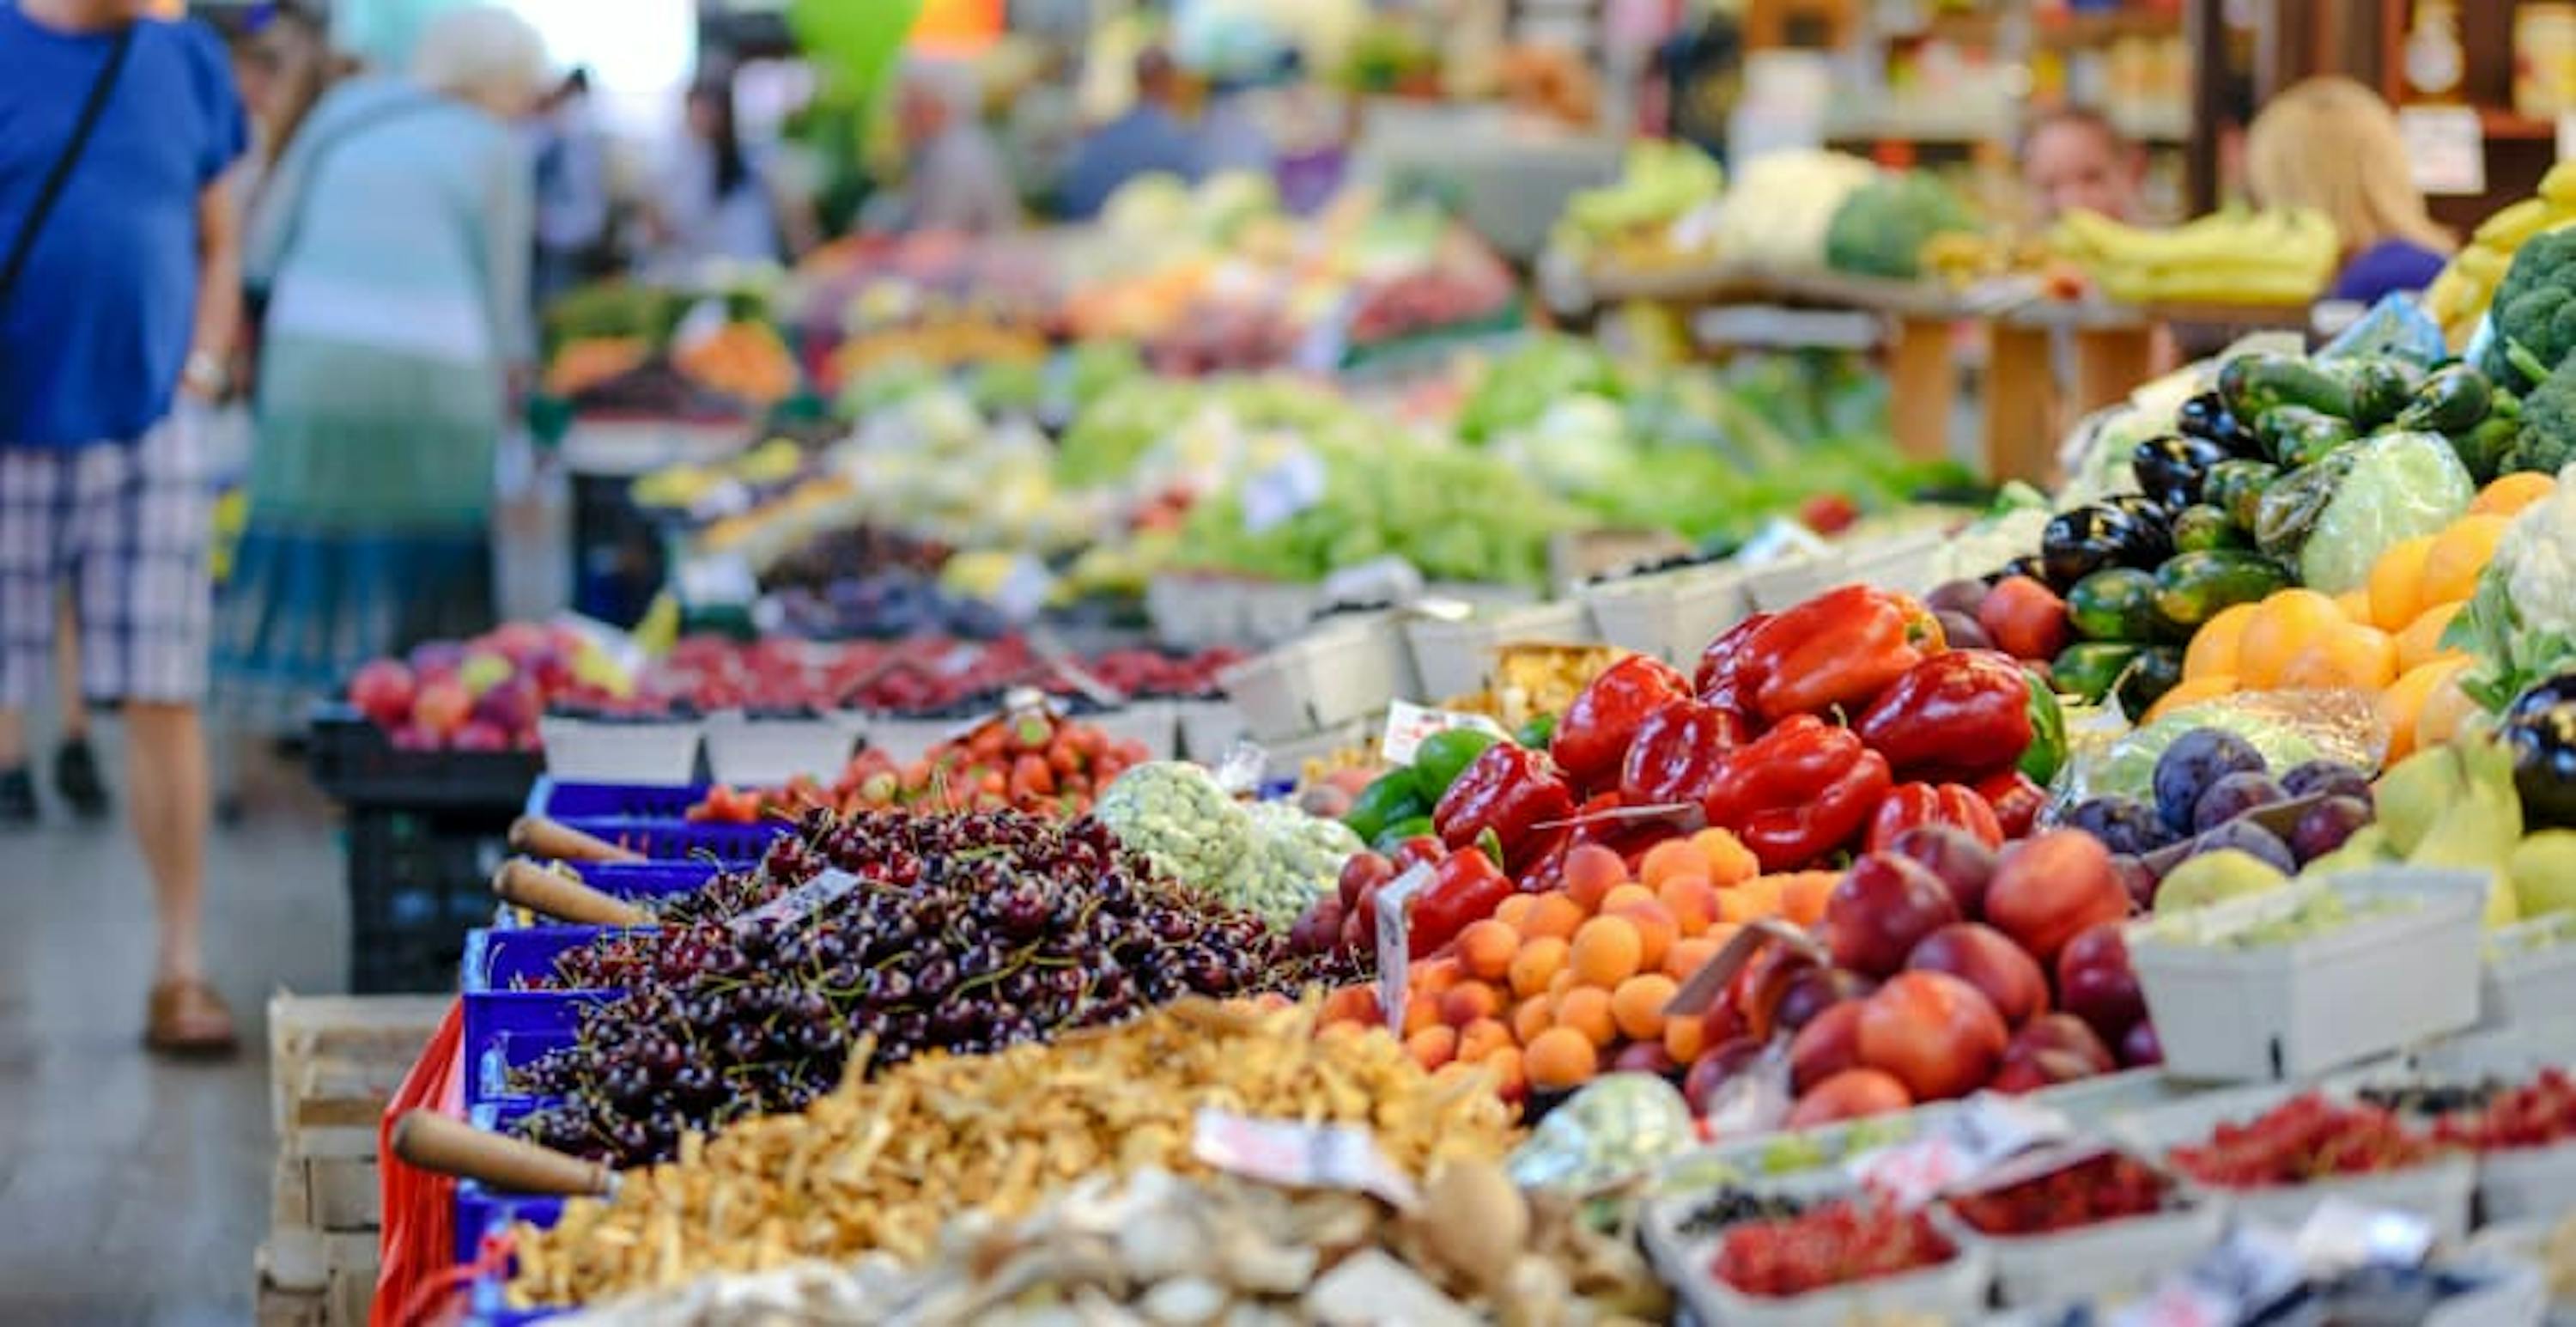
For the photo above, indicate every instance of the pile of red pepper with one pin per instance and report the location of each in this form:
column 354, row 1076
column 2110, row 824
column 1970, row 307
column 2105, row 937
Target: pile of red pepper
column 1828, row 728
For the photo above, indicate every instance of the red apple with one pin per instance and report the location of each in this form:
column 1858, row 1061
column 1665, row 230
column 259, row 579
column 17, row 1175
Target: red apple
column 1937, row 1034
column 517, row 641
column 1826, row 1046
column 477, row 735
column 512, row 706
column 441, row 707
column 2049, row 889
column 2053, row 1048
column 1850, row 1095
column 437, row 658
column 1813, row 991
column 1881, row 909
column 413, row 737
column 1964, row 864
column 383, row 690
column 1643, row 1057
column 2140, row 1047
column 2095, row 982
column 1714, row 1067
column 1987, row 959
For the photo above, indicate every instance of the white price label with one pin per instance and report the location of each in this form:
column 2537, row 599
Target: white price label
column 2342, row 1234
column 1989, row 1131
column 799, row 903
column 717, row 578
column 1024, row 590
column 2447, row 148
column 1276, row 493
column 1304, row 1156
column 1409, row 725
column 1394, row 902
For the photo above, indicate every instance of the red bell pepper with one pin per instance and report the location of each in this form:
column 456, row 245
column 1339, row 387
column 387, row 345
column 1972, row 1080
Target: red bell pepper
column 1677, row 752
column 1910, row 804
column 1838, row 651
column 1507, row 791
column 1465, row 888
column 1961, row 714
column 2017, row 800
column 1800, row 792
column 1727, row 676
column 1597, row 727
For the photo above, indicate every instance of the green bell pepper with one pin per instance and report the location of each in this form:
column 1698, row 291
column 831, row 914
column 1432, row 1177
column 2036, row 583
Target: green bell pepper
column 1392, row 796
column 2047, row 750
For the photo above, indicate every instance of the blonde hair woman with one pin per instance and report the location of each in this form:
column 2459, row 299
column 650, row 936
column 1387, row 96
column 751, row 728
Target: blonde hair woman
column 2332, row 146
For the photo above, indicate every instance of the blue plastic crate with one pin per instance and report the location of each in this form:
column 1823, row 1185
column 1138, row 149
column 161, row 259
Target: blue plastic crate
column 635, row 882
column 481, row 1211
column 681, row 840
column 507, row 1028
column 611, row 801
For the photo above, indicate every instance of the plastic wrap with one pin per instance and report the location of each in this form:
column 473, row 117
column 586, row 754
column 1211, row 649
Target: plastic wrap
column 2290, row 728
column 1618, row 1129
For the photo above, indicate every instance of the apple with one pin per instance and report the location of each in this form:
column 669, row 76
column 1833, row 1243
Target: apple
column 2095, row 982
column 517, row 642
column 382, row 690
column 2139, row 1048
column 1938, row 1035
column 482, row 671
column 477, row 735
column 1715, row 1067
column 413, row 737
column 2052, row 1049
column 1813, row 991
column 513, row 706
column 1643, row 1057
column 1881, row 908
column 1826, row 1046
column 441, row 707
column 1987, row 959
column 1962, row 861
column 437, row 658
column 2049, row 889
column 1850, row 1095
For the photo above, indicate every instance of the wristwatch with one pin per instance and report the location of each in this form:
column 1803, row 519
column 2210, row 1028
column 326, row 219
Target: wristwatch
column 203, row 373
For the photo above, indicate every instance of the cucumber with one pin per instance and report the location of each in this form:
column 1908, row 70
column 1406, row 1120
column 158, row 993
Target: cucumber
column 2202, row 528
column 2115, row 603
column 2455, row 399
column 2295, row 435
column 2252, row 385
column 2087, row 671
column 2236, row 488
column 2380, row 390
column 2195, row 587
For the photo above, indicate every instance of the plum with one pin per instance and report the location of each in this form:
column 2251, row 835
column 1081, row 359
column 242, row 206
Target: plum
column 1962, row 632
column 2331, row 778
column 2324, row 827
column 2123, row 824
column 2248, row 837
column 2233, row 796
column 2196, row 760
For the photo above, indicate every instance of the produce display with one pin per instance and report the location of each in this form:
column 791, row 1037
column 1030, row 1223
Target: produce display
column 486, row 694
column 2271, row 257
column 2306, row 1138
column 1829, row 1245
column 2110, row 1187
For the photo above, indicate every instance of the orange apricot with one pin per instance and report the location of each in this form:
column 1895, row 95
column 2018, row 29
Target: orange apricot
column 1468, row 1001
column 1592, row 871
column 1553, row 915
column 1586, row 1009
column 1485, row 949
column 1607, row 951
column 1560, row 1058
column 1433, row 1046
column 1537, row 964
column 1729, row 861
column 1691, row 901
column 1638, row 1004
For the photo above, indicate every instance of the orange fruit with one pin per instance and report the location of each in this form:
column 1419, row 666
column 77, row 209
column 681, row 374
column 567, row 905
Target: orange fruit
column 1563, row 981
column 1670, row 858
column 1437, row 975
column 1592, row 871
column 1689, row 955
column 1432, row 1047
column 1685, row 1038
column 1560, row 1058
column 2401, row 706
column 1468, row 1001
column 2447, row 709
column 1586, row 1009
column 2459, row 555
column 1531, row 1017
column 2355, row 605
column 1656, row 932
column 1538, row 962
column 1354, row 1004
column 1421, row 1012
column 1505, row 1065
column 1692, row 903
column 1639, row 1003
column 1513, row 911
column 1482, row 1038
column 2213, row 647
column 2421, row 641
column 1553, row 915
column 2192, row 691
column 1485, row 949
column 2280, row 628
column 2509, row 494
column 1803, row 894
column 1607, row 951
column 1624, row 898
column 1729, row 861
column 2361, row 658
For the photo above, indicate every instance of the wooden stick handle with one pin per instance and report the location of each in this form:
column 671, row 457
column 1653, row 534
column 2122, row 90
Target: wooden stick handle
column 540, row 837
column 435, row 1143
column 554, row 894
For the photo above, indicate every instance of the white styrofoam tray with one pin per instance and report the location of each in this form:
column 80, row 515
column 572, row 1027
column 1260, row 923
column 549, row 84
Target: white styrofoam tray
column 1288, row 757
column 2519, row 1184
column 2292, row 1010
column 1208, row 728
column 1671, row 615
column 2438, row 1191
column 1345, row 669
column 660, row 754
column 2519, row 985
column 2033, row 1271
column 747, row 751
column 1456, row 658
column 1952, row 1291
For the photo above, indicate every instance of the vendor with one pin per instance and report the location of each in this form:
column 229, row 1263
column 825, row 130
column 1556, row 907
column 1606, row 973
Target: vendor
column 1148, row 139
column 2073, row 159
column 2331, row 145
column 954, row 176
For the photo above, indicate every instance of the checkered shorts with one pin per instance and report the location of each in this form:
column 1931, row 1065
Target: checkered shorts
column 126, row 528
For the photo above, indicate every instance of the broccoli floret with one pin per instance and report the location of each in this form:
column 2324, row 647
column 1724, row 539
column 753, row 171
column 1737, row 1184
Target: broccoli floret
column 2535, row 310
column 2547, row 439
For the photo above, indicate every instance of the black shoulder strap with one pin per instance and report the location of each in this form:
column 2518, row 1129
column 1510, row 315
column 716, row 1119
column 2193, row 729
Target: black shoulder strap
column 52, row 189
column 358, row 123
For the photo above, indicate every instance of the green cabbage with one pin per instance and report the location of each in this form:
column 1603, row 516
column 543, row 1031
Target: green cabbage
column 2401, row 485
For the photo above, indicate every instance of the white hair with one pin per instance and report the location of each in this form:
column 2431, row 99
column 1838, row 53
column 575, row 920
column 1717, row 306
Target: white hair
column 482, row 53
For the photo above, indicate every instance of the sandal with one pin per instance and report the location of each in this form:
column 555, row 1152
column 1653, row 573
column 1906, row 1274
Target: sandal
column 187, row 1017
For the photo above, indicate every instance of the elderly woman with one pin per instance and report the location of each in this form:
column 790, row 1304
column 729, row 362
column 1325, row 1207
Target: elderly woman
column 394, row 244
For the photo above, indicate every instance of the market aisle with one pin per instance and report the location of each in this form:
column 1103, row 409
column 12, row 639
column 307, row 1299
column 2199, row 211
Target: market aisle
column 133, row 1191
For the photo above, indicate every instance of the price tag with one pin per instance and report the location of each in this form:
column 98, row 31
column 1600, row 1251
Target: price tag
column 1024, row 590
column 1239, row 773
column 1276, row 493
column 2251, row 1270
column 1409, row 725
column 1304, row 1156
column 2342, row 1234
column 799, row 903
column 717, row 578
column 1990, row 1130
column 2447, row 148
column 1394, row 904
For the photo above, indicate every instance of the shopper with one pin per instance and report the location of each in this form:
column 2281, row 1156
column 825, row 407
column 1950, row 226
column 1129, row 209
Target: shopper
column 394, row 245
column 119, row 292
column 1231, row 136
column 2074, row 159
column 717, row 199
column 1148, row 139
column 954, row 176
column 2331, row 145
column 572, row 190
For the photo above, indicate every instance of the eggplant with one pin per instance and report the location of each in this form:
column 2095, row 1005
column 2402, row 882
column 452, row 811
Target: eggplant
column 2082, row 540
column 2540, row 728
column 2207, row 418
column 2028, row 564
column 2153, row 542
column 2170, row 468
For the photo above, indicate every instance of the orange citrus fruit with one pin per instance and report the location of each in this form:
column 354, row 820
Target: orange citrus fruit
column 2213, row 647
column 2192, row 691
column 2421, row 641
column 2397, row 582
column 2509, row 494
column 2351, row 656
column 2401, row 706
column 2459, row 554
column 2282, row 627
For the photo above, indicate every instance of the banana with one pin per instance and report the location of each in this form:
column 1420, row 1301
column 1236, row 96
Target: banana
column 2559, row 185
column 2508, row 228
column 2483, row 263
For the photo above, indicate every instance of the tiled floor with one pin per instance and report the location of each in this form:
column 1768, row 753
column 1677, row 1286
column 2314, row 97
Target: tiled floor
column 133, row 1191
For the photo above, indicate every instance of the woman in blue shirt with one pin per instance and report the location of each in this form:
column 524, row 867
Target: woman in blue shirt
column 394, row 242
column 2332, row 146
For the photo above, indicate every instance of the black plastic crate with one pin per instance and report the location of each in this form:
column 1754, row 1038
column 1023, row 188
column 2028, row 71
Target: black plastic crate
column 357, row 765
column 418, row 881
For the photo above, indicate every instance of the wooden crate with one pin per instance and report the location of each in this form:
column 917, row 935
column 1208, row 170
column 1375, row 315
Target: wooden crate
column 371, row 1030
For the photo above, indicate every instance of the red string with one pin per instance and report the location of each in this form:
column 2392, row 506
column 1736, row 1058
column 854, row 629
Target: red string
column 427, row 1302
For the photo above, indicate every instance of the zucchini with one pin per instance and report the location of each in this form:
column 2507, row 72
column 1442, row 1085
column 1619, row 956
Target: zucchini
column 2089, row 669
column 2149, row 676
column 2195, row 587
column 2252, row 386
column 2236, row 488
column 2114, row 604
column 2202, row 528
